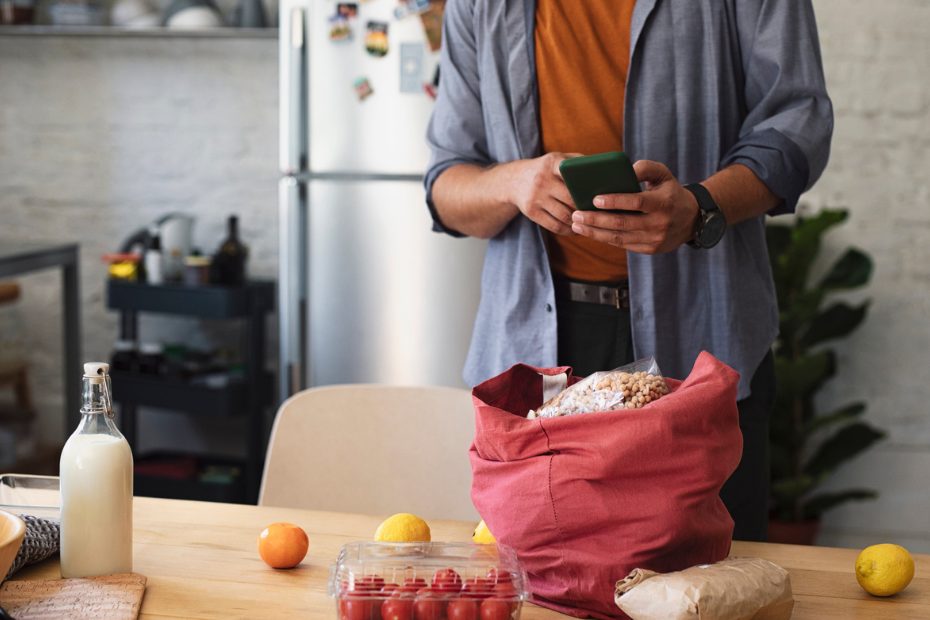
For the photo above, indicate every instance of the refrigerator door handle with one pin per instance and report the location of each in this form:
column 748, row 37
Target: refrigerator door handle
column 292, row 287
column 293, row 89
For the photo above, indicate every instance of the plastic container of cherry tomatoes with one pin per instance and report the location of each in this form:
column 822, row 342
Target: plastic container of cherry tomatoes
column 427, row 581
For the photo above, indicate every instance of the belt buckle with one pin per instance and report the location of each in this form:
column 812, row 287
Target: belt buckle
column 619, row 297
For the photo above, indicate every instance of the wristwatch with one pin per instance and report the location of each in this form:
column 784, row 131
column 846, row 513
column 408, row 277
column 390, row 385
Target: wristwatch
column 711, row 224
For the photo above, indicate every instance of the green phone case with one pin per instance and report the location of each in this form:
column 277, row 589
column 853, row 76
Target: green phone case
column 593, row 175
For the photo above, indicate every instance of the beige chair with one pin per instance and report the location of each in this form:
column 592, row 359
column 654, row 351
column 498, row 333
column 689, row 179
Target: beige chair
column 373, row 449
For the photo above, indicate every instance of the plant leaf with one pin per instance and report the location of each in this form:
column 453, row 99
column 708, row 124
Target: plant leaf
column 820, row 503
column 842, row 446
column 796, row 313
column 840, row 415
column 796, row 262
column 777, row 239
column 789, row 489
column 802, row 376
column 852, row 270
column 836, row 321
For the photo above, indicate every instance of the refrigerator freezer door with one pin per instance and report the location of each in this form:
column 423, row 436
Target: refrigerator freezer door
column 385, row 132
column 390, row 300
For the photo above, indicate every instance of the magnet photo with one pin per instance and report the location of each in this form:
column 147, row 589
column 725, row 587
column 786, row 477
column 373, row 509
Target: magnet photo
column 411, row 67
column 363, row 88
column 339, row 29
column 347, row 10
column 376, row 38
column 405, row 8
column 432, row 24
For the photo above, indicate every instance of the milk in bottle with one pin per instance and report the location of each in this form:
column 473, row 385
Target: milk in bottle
column 96, row 487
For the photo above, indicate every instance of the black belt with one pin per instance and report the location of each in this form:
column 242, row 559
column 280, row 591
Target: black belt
column 616, row 295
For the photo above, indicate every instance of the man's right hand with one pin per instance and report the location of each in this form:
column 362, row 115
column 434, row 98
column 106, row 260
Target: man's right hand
column 481, row 202
column 539, row 192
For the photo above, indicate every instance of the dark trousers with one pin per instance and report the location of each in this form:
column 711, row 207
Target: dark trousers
column 595, row 337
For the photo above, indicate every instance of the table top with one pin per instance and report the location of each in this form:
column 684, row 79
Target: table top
column 10, row 249
column 21, row 257
column 201, row 562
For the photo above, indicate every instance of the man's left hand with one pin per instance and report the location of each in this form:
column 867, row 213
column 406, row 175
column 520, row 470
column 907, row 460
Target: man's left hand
column 662, row 216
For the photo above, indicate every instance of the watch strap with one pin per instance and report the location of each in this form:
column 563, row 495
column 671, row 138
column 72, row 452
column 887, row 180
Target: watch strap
column 706, row 204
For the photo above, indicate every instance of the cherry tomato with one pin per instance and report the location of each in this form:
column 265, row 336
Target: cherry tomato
column 505, row 590
column 447, row 580
column 360, row 607
column 463, row 609
column 369, row 583
column 478, row 587
column 417, row 582
column 497, row 575
column 496, row 609
column 430, row 604
column 389, row 588
column 406, row 591
column 397, row 608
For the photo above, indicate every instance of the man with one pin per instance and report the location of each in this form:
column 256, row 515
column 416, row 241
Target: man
column 723, row 104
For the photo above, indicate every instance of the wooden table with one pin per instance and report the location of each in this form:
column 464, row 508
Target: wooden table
column 201, row 562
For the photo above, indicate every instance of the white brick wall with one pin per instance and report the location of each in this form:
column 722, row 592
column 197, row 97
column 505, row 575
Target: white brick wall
column 98, row 136
column 877, row 61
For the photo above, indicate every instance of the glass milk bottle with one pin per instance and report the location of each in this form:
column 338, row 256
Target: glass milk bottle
column 96, row 487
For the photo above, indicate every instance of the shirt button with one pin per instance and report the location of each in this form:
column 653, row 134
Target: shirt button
column 548, row 307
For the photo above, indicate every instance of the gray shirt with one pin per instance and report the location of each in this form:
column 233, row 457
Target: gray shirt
column 711, row 83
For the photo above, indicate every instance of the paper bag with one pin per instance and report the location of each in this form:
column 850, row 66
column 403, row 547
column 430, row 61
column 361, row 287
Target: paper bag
column 734, row 589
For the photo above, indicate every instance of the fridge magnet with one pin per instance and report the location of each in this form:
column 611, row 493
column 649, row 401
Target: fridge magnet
column 339, row 29
column 376, row 38
column 432, row 88
column 406, row 8
column 347, row 10
column 363, row 88
column 432, row 24
column 411, row 67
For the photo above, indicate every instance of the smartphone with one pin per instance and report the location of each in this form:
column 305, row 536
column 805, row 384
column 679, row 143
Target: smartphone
column 594, row 175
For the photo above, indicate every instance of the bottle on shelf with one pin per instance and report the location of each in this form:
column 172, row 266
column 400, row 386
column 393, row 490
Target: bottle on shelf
column 125, row 356
column 154, row 261
column 96, row 487
column 229, row 262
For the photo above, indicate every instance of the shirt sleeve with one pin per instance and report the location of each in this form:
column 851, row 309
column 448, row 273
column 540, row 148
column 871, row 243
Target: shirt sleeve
column 785, row 136
column 456, row 132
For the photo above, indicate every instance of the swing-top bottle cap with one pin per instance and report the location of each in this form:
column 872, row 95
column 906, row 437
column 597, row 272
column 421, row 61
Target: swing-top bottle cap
column 96, row 370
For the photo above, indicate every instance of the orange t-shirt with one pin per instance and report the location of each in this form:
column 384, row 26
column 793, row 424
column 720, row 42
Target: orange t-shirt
column 582, row 57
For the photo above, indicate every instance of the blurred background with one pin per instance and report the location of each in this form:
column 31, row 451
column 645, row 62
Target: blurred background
column 113, row 117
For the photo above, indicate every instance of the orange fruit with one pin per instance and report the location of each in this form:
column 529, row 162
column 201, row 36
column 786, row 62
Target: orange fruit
column 283, row 545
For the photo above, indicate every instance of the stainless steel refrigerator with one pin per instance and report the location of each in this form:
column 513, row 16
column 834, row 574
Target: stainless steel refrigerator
column 367, row 292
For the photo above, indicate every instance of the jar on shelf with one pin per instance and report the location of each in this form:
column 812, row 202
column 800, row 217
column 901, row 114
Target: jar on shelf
column 151, row 358
column 125, row 356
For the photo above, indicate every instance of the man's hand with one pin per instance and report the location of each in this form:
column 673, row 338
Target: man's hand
column 539, row 192
column 664, row 218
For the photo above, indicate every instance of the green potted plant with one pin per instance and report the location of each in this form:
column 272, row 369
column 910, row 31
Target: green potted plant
column 807, row 446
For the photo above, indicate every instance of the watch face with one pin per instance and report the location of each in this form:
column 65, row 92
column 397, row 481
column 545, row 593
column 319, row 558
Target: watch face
column 712, row 230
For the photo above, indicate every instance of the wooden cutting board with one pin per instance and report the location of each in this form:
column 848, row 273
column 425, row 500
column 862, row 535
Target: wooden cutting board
column 114, row 597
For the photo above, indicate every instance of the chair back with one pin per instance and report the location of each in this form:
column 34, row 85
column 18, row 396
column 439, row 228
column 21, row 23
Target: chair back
column 373, row 449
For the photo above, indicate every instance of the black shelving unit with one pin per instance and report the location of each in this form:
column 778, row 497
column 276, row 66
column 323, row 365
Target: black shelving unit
column 250, row 397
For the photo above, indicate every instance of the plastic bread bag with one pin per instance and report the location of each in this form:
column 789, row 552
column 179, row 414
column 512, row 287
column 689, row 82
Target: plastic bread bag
column 733, row 589
column 628, row 387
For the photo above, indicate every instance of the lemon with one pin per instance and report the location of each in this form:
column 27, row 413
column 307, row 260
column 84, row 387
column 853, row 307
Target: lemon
column 403, row 527
column 483, row 535
column 883, row 570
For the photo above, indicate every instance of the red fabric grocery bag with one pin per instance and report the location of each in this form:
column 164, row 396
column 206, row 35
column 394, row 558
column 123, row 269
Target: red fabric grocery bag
column 584, row 499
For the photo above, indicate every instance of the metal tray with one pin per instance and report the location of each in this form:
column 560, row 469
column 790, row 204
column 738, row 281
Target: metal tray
column 23, row 494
